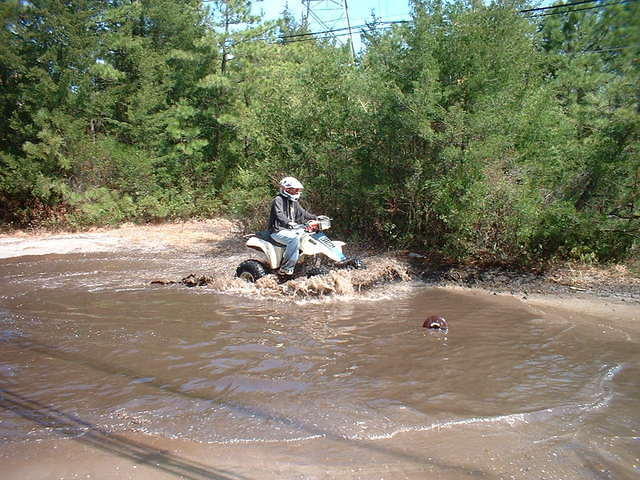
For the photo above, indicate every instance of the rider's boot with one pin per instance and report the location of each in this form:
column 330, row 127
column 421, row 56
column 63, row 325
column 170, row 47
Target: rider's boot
column 285, row 272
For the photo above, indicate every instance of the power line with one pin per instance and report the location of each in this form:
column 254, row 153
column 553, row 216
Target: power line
column 310, row 36
column 385, row 25
column 307, row 34
column 327, row 37
column 581, row 9
column 556, row 6
column 374, row 25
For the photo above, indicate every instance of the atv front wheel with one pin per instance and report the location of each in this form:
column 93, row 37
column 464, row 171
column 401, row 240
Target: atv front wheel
column 315, row 271
column 251, row 271
column 352, row 264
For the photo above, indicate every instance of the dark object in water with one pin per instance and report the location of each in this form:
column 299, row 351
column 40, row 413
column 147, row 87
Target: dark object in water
column 194, row 281
column 436, row 322
column 190, row 281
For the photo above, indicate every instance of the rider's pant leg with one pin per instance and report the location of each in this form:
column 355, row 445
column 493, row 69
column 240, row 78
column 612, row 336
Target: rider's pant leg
column 290, row 238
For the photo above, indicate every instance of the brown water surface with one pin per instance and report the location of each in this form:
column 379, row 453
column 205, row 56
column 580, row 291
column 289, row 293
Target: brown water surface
column 87, row 345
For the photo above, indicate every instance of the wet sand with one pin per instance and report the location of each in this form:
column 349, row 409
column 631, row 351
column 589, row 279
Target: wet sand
column 410, row 455
column 189, row 236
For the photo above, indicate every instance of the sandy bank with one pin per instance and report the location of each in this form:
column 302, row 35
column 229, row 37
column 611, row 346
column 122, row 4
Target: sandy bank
column 188, row 236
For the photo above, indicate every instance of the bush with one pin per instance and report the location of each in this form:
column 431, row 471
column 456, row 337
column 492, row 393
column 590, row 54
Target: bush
column 101, row 206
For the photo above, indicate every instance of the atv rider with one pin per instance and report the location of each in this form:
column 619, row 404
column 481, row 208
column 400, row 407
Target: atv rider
column 285, row 222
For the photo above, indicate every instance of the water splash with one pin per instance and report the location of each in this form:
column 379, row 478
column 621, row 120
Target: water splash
column 381, row 270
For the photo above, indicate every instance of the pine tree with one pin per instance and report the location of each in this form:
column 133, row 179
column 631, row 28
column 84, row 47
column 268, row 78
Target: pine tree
column 592, row 62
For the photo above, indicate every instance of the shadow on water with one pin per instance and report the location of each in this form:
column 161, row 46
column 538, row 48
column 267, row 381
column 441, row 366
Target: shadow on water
column 246, row 410
column 70, row 426
column 598, row 465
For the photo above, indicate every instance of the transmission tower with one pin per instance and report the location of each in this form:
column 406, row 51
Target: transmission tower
column 327, row 15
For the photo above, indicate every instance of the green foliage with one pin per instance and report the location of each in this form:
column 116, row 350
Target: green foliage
column 247, row 198
column 101, row 206
column 473, row 131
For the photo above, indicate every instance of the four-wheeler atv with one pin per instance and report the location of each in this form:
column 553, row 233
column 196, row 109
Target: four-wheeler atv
column 313, row 243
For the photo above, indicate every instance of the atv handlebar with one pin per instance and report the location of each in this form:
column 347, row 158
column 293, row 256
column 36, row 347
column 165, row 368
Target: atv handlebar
column 312, row 226
column 321, row 223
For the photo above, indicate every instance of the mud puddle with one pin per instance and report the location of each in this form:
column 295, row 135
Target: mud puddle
column 230, row 380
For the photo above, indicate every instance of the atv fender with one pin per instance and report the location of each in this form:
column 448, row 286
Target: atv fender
column 273, row 254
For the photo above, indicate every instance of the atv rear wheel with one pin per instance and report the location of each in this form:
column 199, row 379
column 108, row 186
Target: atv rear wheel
column 251, row 271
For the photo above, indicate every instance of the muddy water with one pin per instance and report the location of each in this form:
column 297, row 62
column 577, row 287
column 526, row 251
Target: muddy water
column 87, row 344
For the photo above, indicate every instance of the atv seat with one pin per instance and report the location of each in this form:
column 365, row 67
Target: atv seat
column 266, row 236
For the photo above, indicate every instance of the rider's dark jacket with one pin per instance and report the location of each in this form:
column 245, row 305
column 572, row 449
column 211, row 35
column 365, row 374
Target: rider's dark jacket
column 284, row 212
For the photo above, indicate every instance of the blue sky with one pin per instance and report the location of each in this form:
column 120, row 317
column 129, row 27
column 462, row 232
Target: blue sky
column 359, row 12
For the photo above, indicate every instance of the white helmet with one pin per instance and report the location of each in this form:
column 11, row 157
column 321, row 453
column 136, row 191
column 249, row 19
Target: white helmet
column 291, row 187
